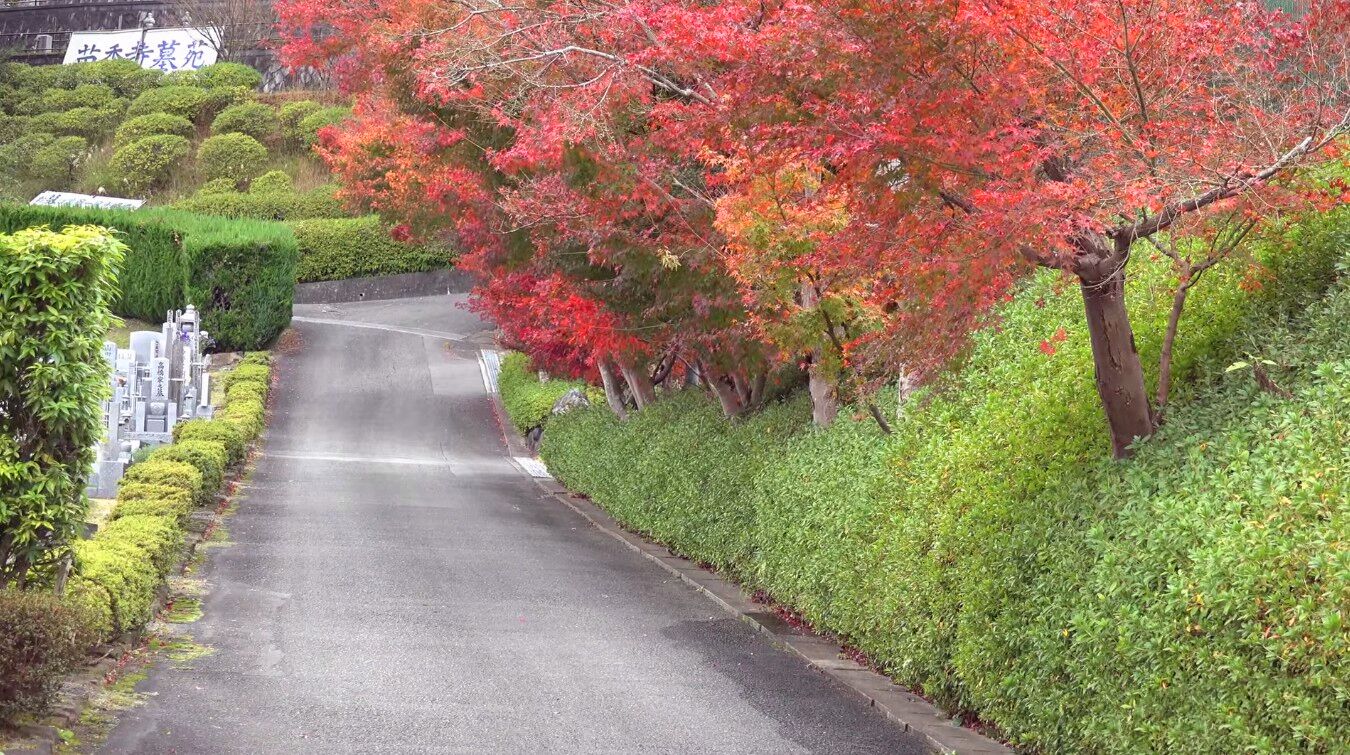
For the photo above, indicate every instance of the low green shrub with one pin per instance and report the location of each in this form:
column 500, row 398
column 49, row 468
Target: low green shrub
column 158, row 536
column 91, row 123
column 126, row 576
column 272, row 182
column 266, row 204
column 16, row 155
column 208, row 457
column 41, row 640
column 147, row 498
column 218, row 186
column 223, row 74
column 124, row 77
column 95, row 603
column 146, row 164
column 307, row 130
column 227, row 435
column 182, row 101
column 57, row 162
column 355, row 247
column 245, row 373
column 14, row 126
column 248, row 390
column 263, row 358
column 57, row 100
column 291, row 114
column 153, row 124
column 220, row 98
column 256, row 119
column 247, row 415
column 528, row 402
column 989, row 552
column 234, row 156
column 175, row 474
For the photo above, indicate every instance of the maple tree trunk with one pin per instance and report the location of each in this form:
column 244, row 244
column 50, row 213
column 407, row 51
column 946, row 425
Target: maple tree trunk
column 613, row 395
column 732, row 406
column 639, row 384
column 824, row 396
column 1120, row 375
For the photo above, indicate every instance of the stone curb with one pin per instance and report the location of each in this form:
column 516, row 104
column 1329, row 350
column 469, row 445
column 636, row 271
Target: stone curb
column 381, row 287
column 898, row 704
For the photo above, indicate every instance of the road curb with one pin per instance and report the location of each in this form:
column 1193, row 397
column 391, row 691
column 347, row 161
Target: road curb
column 898, row 704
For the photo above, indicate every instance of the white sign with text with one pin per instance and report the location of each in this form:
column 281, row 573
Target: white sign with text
column 164, row 49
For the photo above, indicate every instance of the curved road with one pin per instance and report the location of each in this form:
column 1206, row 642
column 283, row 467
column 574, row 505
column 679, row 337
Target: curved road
column 396, row 585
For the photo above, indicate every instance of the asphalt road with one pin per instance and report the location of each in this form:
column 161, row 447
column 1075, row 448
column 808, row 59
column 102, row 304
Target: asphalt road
column 396, row 585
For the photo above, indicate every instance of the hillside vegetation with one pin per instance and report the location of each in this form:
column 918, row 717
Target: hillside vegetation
column 989, row 554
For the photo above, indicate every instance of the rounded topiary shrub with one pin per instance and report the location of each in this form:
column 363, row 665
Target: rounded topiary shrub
column 219, row 98
column 146, row 164
column 307, row 131
column 256, row 119
column 57, row 161
column 271, row 182
column 229, row 75
column 183, row 101
column 217, row 186
column 291, row 114
column 234, row 156
column 89, row 122
column 152, row 124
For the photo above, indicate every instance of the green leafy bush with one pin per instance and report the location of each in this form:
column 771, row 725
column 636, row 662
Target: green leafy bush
column 528, row 402
column 125, row 577
column 153, row 124
column 266, row 204
column 248, row 390
column 291, row 114
column 256, row 119
column 208, row 457
column 159, row 537
column 353, row 247
column 223, row 74
column 272, row 182
column 247, row 373
column 177, row 474
column 41, row 640
column 182, row 101
column 248, row 415
column 124, row 77
column 991, row 554
column 55, row 100
column 15, row 156
column 52, row 378
column 147, row 163
column 14, row 126
column 234, row 156
column 90, row 123
column 239, row 274
column 227, row 435
column 57, row 162
column 142, row 498
column 306, row 132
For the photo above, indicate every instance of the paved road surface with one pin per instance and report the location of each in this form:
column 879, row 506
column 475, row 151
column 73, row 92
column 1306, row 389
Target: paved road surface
column 396, row 585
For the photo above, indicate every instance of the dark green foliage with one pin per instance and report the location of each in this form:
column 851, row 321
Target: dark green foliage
column 1192, row 599
column 529, row 402
column 124, row 77
column 234, row 156
column 88, row 122
column 354, row 247
column 56, row 100
column 227, row 75
column 292, row 113
column 146, row 164
column 152, row 124
column 272, row 182
column 41, row 640
column 55, row 294
column 227, row 435
column 217, row 186
column 208, row 457
column 307, row 129
column 183, row 101
column 265, row 204
column 239, row 274
column 220, row 98
column 16, row 155
column 56, row 162
column 256, row 119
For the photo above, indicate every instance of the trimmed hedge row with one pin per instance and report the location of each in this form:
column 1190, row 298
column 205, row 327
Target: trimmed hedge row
column 991, row 554
column 119, row 571
column 264, row 205
column 239, row 274
column 338, row 249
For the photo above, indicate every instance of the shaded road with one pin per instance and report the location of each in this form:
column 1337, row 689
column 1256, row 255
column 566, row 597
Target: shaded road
column 395, row 584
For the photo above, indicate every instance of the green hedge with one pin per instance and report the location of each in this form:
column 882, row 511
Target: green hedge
column 256, row 119
column 140, row 167
column 231, row 155
column 208, row 457
column 183, row 101
column 55, row 292
column 239, row 274
column 265, row 204
column 153, row 124
column 992, row 555
column 528, row 402
column 355, row 247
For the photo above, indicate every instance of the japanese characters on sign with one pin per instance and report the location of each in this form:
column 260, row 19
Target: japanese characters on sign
column 165, row 49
